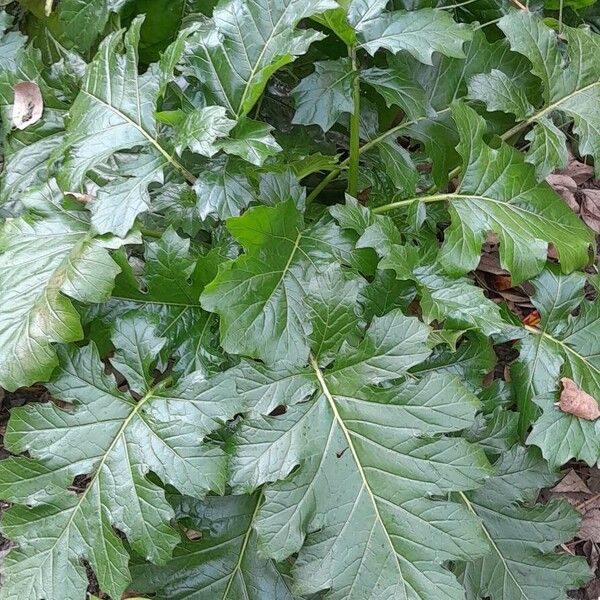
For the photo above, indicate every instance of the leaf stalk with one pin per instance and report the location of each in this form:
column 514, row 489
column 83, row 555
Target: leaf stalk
column 354, row 158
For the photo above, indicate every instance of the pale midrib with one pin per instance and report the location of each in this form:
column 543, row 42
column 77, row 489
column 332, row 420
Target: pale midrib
column 564, row 346
column 365, row 483
column 254, row 70
column 470, row 507
column 556, row 104
column 238, row 564
column 473, row 197
column 120, row 432
column 548, row 109
column 158, row 302
column 286, row 268
column 190, row 178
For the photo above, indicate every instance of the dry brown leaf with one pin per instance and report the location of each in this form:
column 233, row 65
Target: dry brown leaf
column 577, row 170
column 514, row 296
column 575, row 401
column 192, row 534
column 80, row 197
column 562, row 181
column 28, row 105
column 593, row 481
column 565, row 186
column 589, row 529
column 490, row 263
column 590, row 208
column 571, row 483
column 591, row 552
column 501, row 282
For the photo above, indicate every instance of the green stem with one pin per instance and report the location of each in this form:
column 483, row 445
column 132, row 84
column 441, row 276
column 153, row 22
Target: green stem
column 353, row 160
column 153, row 233
column 435, row 198
column 364, row 148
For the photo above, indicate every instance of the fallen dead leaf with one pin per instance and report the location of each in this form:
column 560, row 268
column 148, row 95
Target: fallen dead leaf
column 501, row 282
column 591, row 552
column 590, row 208
column 192, row 534
column 490, row 263
column 532, row 319
column 593, row 481
column 565, row 186
column 577, row 170
column 28, row 104
column 575, row 401
column 589, row 528
column 571, row 483
column 80, row 197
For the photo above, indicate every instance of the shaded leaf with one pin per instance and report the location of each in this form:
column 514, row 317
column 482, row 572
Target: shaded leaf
column 225, row 563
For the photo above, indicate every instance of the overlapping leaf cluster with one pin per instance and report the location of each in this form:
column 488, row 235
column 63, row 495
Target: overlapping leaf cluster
column 261, row 386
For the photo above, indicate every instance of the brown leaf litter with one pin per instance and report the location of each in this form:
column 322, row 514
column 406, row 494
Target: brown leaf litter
column 579, row 189
column 580, row 487
column 575, row 401
column 28, row 104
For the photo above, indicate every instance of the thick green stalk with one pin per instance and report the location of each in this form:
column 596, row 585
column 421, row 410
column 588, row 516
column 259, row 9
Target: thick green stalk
column 436, row 198
column 353, row 159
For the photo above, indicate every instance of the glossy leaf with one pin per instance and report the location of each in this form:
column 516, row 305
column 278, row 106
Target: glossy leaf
column 48, row 257
column 115, row 441
column 335, row 438
column 224, row 564
column 499, row 192
column 261, row 296
column 326, row 94
column 247, row 44
column 522, row 563
column 564, row 347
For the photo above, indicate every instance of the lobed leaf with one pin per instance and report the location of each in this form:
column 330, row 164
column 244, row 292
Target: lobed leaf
column 124, row 438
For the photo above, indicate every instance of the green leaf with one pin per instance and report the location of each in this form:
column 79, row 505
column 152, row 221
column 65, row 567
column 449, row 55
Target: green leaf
column 473, row 359
column 12, row 42
column 445, row 81
column 548, row 148
column 419, row 32
column 82, row 21
column 324, row 95
column 169, row 289
column 564, row 346
column 224, row 190
column 570, row 88
column 336, row 19
column 499, row 192
column 201, row 128
column 114, row 110
column 354, row 442
column 28, row 154
column 522, row 563
column 252, row 141
column 248, row 42
column 457, row 302
column 261, row 296
column 225, row 563
column 119, row 202
column 397, row 86
column 334, row 305
column 500, row 93
column 115, row 441
column 47, row 257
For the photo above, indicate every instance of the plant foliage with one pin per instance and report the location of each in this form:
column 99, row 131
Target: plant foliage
column 237, row 249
